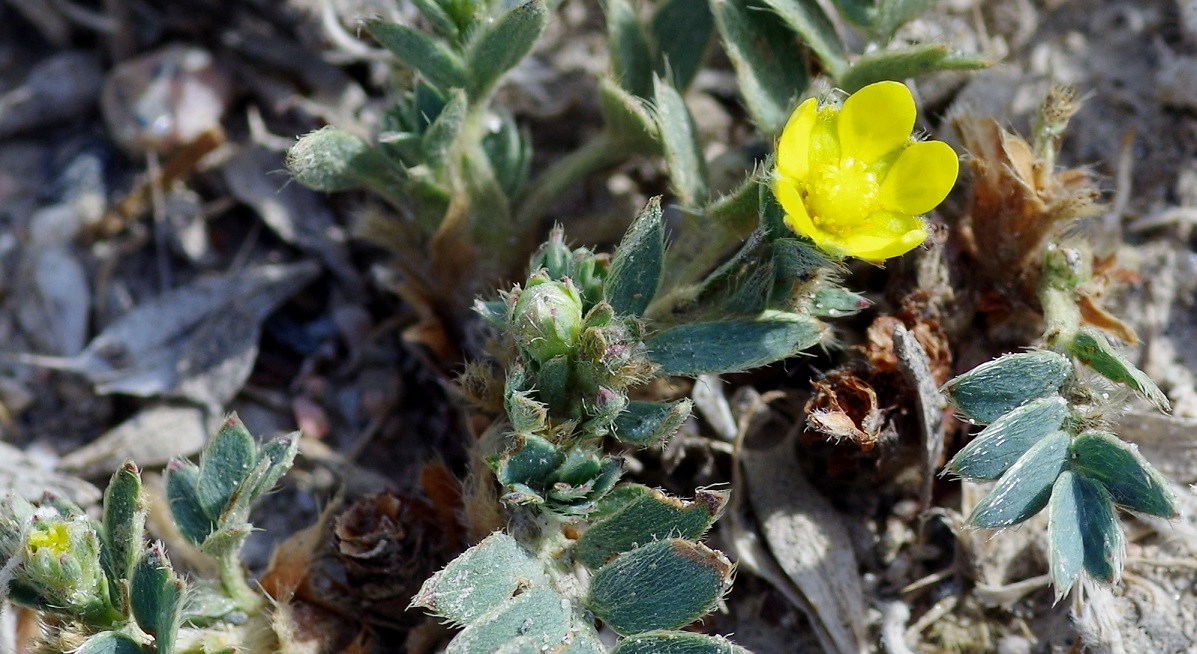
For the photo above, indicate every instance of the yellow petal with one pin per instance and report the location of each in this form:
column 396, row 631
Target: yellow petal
column 793, row 149
column 920, row 179
column 790, row 198
column 876, row 120
column 887, row 234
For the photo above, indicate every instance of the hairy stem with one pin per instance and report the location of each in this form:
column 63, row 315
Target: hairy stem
column 232, row 579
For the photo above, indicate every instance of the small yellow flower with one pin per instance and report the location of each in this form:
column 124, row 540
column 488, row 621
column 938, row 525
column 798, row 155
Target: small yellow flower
column 53, row 537
column 853, row 180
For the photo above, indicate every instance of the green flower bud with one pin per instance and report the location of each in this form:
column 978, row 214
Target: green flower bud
column 554, row 256
column 546, row 318
column 604, row 409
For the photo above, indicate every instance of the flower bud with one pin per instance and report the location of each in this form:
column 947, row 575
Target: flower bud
column 546, row 319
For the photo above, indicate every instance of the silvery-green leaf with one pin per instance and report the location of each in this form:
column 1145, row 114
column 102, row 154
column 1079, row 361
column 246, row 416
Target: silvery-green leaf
column 1132, row 482
column 627, row 118
column 836, row 302
column 631, row 58
column 1084, row 532
column 224, row 464
column 662, row 585
column 182, row 493
column 651, row 423
column 807, row 18
column 770, row 65
column 533, row 621
column 124, row 523
column 1094, row 349
column 904, row 63
column 681, row 30
column 676, row 642
column 422, row 52
column 654, row 516
column 860, row 12
column 529, row 461
column 1000, row 444
column 718, row 347
column 485, row 576
column 679, row 138
column 996, row 387
column 110, row 642
column 276, row 457
column 637, row 264
column 444, row 130
column 738, row 211
column 155, row 592
column 440, row 19
column 1025, row 488
column 331, row 159
column 501, row 44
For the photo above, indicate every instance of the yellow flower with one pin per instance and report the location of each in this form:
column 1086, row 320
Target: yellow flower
column 53, row 537
column 853, row 180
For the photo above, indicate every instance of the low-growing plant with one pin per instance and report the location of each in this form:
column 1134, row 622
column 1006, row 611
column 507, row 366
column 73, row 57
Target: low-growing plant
column 100, row 587
column 1048, row 411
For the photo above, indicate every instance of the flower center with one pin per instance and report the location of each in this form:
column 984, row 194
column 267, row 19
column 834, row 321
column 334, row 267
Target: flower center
column 53, row 537
column 840, row 196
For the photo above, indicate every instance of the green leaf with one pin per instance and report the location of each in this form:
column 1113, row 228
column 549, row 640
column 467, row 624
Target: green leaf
column 1025, row 488
column 534, row 621
column 331, row 160
column 1084, row 532
column 1091, row 347
column 509, row 152
column 647, row 424
column 443, row 131
column 1000, row 444
column 631, row 59
column 770, row 65
column 154, row 594
column 503, row 43
column 738, row 212
column 679, row 138
column 1131, row 481
column 124, row 523
column 653, row 516
column 110, row 642
column 807, row 18
column 662, row 585
column 625, row 116
column 860, row 12
column 718, row 347
column 676, row 642
column 279, row 456
column 182, row 481
column 485, row 576
column 422, row 52
column 830, row 301
column 637, row 264
column 224, row 464
column 996, row 387
column 529, row 461
column 440, row 20
column 681, row 30
column 904, row 63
